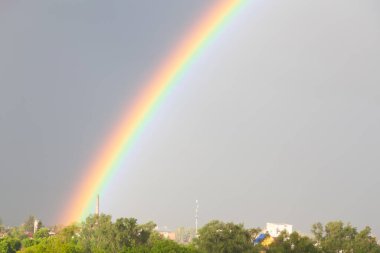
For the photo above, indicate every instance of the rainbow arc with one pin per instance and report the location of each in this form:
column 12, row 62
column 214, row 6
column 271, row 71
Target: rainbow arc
column 122, row 138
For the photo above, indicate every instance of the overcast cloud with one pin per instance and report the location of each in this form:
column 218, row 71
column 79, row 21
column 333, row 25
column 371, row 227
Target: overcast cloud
column 277, row 121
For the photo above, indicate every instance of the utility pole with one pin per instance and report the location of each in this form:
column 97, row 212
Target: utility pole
column 196, row 217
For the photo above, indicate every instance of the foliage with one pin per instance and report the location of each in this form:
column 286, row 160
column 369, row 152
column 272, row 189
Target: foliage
column 162, row 246
column 53, row 244
column 293, row 243
column 129, row 234
column 28, row 242
column 219, row 237
column 339, row 237
column 29, row 224
column 167, row 246
column 17, row 233
column 9, row 245
column 2, row 229
column 66, row 241
column 41, row 233
column 99, row 234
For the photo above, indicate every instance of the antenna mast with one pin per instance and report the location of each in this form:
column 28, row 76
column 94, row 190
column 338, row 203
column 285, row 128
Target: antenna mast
column 97, row 210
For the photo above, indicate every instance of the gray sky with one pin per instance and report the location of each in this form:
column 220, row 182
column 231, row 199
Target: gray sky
column 277, row 121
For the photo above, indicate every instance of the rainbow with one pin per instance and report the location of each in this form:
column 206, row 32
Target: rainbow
column 132, row 123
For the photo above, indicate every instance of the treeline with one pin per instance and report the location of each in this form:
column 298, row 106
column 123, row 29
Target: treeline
column 99, row 234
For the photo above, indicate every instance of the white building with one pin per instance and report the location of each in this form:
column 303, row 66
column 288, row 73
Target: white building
column 36, row 225
column 274, row 229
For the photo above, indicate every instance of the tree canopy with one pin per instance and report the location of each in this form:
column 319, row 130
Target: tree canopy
column 220, row 237
column 99, row 234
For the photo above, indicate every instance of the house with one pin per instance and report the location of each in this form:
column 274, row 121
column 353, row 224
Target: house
column 274, row 229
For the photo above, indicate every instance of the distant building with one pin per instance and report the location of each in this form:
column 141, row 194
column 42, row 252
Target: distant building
column 274, row 229
column 184, row 235
column 166, row 233
column 51, row 233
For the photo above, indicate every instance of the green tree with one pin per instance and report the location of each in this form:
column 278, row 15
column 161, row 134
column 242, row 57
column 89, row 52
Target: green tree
column 29, row 224
column 254, row 232
column 9, row 245
column 66, row 241
column 162, row 246
column 27, row 242
column 100, row 234
column 336, row 236
column 54, row 244
column 302, row 244
column 17, row 233
column 129, row 234
column 70, row 233
column 364, row 242
column 2, row 228
column 41, row 233
column 97, row 234
column 220, row 237
column 294, row 243
column 317, row 230
column 146, row 231
column 167, row 246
